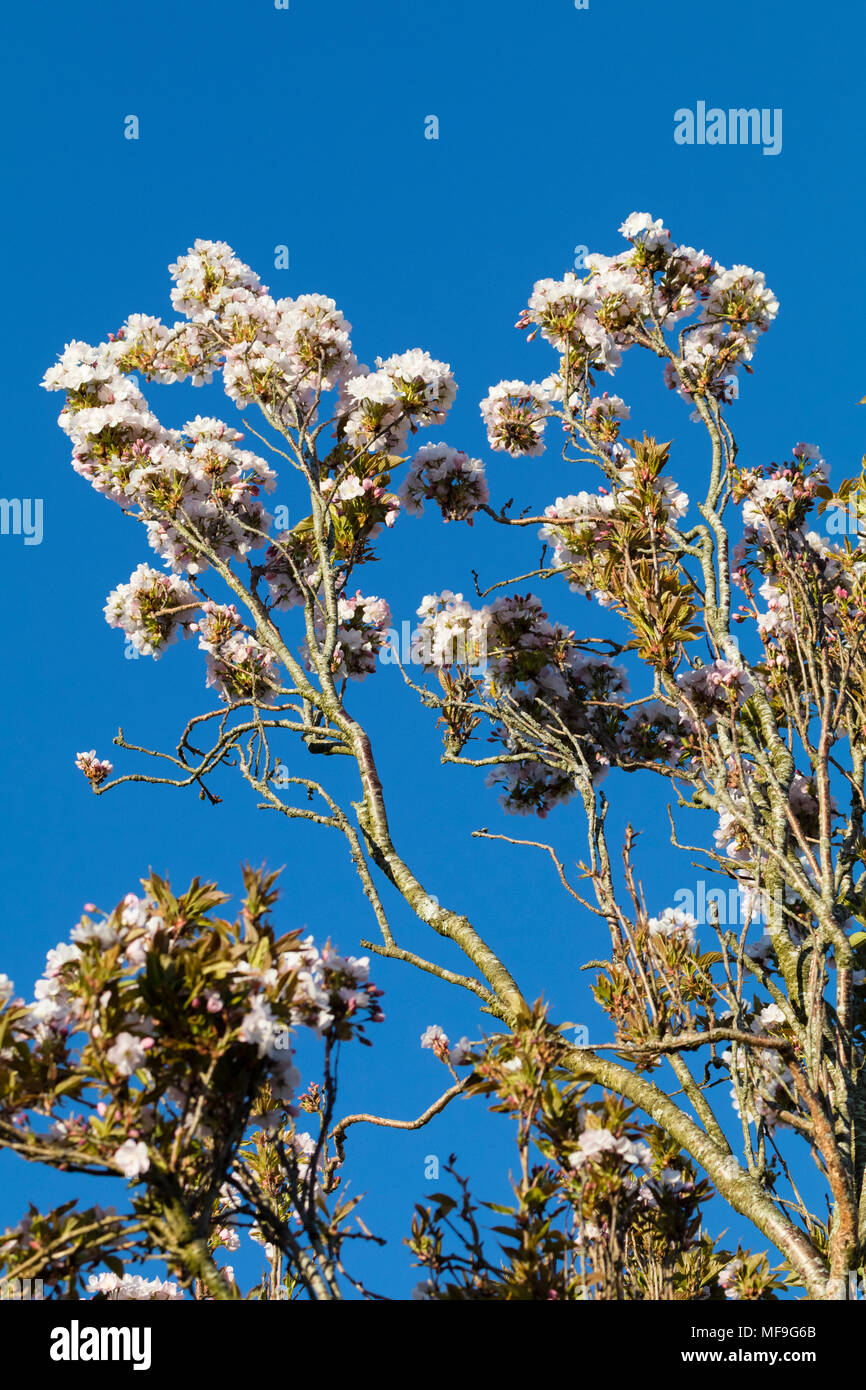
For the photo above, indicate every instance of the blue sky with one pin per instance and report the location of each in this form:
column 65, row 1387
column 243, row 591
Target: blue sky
column 305, row 127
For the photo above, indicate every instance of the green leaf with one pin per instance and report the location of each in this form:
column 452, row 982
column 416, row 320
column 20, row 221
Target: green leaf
column 444, row 1203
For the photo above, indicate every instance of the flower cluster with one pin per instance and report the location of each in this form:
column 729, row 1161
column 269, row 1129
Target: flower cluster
column 192, row 488
column 152, row 609
column 436, row 1039
column 198, row 493
column 95, row 769
column 631, row 298
column 334, row 992
column 290, row 567
column 651, row 733
column 238, row 666
column 779, row 499
column 160, row 1049
column 585, row 319
column 707, row 690
column 362, row 631
column 524, row 647
column 112, row 429
column 314, row 336
column 132, row 1287
column 579, row 525
column 208, row 278
column 205, row 495
column 406, row 392
column 448, row 477
column 737, row 308
column 592, row 534
column 533, row 678
column 515, row 415
column 294, row 348
column 359, row 507
column 451, row 632
column 603, row 419
column 674, row 923
column 790, row 567
column 597, row 1142
column 137, row 998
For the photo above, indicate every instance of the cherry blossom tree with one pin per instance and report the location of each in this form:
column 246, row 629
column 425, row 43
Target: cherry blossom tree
column 751, row 710
column 160, row 1049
